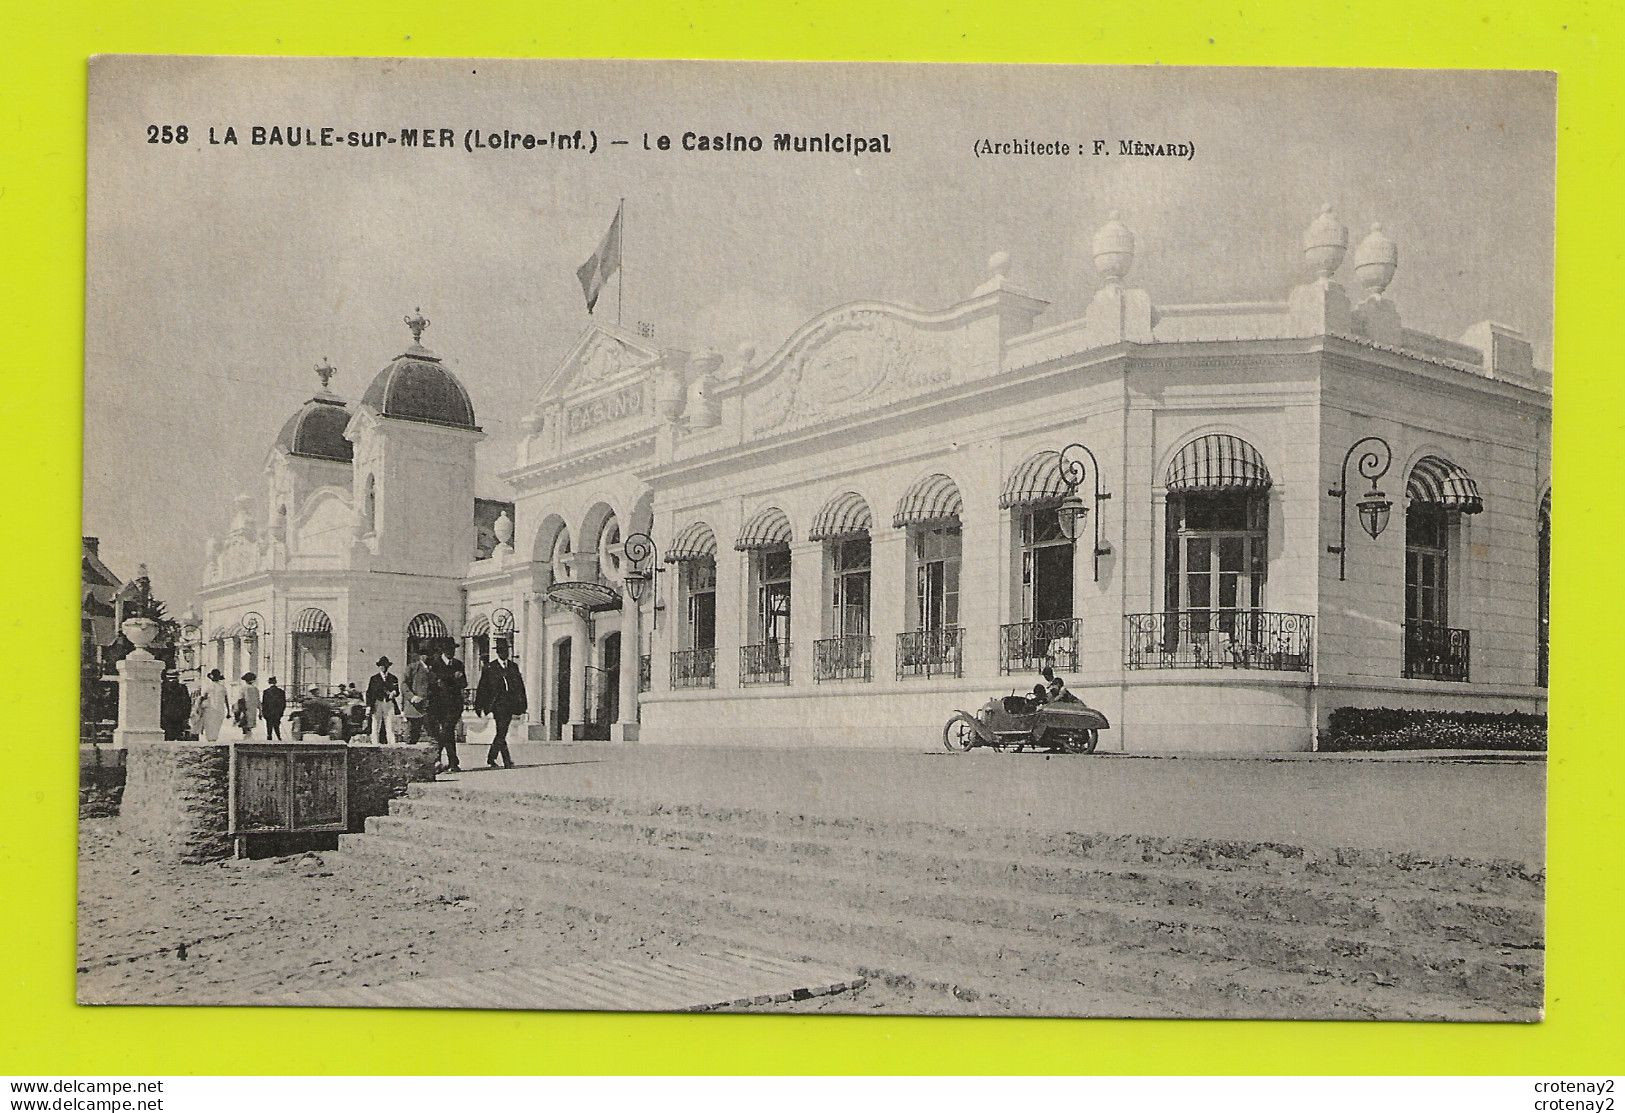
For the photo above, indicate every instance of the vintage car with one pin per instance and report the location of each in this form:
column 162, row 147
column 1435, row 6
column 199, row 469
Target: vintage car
column 338, row 716
column 1016, row 722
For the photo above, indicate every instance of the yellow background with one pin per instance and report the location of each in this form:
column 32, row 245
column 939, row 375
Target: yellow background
column 42, row 122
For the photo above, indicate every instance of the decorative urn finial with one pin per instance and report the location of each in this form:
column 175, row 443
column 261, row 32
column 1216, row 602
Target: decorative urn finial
column 998, row 264
column 1113, row 250
column 503, row 529
column 417, row 322
column 325, row 372
column 1325, row 242
column 1375, row 261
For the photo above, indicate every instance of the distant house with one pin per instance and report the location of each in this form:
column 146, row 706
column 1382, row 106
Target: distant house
column 99, row 591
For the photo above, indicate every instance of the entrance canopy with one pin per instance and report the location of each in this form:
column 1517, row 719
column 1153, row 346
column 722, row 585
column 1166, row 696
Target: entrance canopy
column 845, row 515
column 1437, row 482
column 934, row 498
column 1218, row 462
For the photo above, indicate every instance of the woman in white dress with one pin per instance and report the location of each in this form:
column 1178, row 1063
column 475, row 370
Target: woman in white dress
column 211, row 704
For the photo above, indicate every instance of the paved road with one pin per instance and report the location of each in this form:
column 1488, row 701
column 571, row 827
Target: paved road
column 1461, row 808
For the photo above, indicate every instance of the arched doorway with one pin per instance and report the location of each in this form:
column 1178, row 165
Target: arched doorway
column 561, row 688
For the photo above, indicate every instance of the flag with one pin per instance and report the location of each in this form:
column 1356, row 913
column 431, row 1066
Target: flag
column 595, row 272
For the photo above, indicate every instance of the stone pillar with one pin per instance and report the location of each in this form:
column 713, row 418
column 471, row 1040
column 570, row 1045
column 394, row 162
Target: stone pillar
column 979, row 598
column 733, row 603
column 888, row 594
column 140, row 687
column 580, row 651
column 626, row 717
column 806, row 607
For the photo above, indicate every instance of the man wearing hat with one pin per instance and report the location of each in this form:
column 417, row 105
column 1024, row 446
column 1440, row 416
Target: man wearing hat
column 174, row 707
column 383, row 697
column 273, row 704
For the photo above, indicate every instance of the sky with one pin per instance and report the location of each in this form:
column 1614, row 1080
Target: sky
column 218, row 276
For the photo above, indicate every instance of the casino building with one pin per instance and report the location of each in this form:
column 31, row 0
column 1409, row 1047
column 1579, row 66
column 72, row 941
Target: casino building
column 1218, row 521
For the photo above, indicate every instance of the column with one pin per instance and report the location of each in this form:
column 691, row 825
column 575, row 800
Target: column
column 626, row 719
column 533, row 665
column 580, row 651
column 806, row 607
column 979, row 607
column 733, row 609
column 888, row 588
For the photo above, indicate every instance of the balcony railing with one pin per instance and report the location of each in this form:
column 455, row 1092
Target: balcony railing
column 1219, row 640
column 938, row 652
column 694, row 668
column 1029, row 646
column 766, row 663
column 847, row 658
column 1434, row 651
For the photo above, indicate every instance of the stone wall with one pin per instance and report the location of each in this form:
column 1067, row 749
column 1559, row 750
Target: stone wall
column 379, row 774
column 101, row 781
column 175, row 800
column 176, row 797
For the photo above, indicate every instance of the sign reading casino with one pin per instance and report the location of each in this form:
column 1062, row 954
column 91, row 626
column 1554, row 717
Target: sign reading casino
column 624, row 403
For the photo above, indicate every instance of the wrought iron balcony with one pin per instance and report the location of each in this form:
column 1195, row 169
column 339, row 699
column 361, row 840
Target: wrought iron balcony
column 694, row 668
column 766, row 663
column 1265, row 640
column 1434, row 651
column 847, row 658
column 938, row 652
column 1029, row 646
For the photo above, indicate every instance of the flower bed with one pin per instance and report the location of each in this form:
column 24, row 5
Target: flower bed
column 1391, row 728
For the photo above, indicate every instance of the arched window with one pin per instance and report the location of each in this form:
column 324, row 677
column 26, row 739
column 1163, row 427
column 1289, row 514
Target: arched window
column 766, row 657
column 843, row 525
column 930, row 511
column 1217, row 548
column 312, row 651
column 1437, row 494
column 694, row 552
column 1048, row 631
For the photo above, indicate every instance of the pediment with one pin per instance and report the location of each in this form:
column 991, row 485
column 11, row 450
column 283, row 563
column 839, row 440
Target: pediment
column 601, row 355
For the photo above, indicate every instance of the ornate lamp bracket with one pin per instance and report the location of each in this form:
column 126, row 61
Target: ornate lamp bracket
column 1373, row 507
column 1078, row 464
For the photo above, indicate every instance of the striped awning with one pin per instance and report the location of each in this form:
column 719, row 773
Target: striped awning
column 1437, row 481
column 217, row 634
column 427, row 626
column 932, row 499
column 477, row 625
column 845, row 515
column 766, row 528
column 1037, row 482
column 694, row 541
column 312, row 620
column 1218, row 462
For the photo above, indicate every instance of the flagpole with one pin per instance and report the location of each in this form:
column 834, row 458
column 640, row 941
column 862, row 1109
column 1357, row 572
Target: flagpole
column 620, row 271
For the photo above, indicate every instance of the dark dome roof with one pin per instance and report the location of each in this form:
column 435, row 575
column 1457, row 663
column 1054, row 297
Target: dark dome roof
column 418, row 387
column 317, row 430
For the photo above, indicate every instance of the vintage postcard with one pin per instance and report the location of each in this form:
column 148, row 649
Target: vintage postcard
column 851, row 538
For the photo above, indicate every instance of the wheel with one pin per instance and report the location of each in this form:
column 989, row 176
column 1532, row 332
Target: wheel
column 1083, row 742
column 958, row 734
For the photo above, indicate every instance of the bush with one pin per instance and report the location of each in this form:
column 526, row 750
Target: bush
column 1395, row 728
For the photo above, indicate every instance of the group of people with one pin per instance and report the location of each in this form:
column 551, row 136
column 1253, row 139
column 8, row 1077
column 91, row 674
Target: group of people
column 430, row 698
column 204, row 715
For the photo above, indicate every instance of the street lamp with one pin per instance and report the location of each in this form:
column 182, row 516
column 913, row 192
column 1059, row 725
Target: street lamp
column 1373, row 507
column 1077, row 465
column 639, row 550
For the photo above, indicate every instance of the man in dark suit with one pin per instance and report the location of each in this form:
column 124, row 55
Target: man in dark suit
column 383, row 698
column 419, row 687
column 446, row 703
column 501, row 695
column 273, row 703
column 174, row 707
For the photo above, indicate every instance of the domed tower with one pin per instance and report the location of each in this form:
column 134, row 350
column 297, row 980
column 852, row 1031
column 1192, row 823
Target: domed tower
column 414, row 439
column 309, row 453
